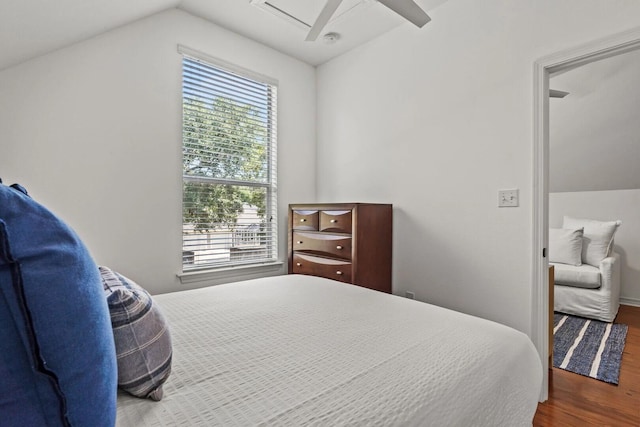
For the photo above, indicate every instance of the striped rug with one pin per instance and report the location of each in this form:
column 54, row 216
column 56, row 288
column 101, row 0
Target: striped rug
column 588, row 347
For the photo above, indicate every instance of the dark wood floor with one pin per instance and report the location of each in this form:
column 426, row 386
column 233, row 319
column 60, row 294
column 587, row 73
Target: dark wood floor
column 575, row 400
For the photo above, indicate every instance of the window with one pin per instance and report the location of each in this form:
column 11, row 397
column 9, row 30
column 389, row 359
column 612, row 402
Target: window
column 229, row 166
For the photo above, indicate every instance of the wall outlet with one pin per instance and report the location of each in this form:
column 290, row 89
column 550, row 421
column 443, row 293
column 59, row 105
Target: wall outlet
column 508, row 198
column 410, row 295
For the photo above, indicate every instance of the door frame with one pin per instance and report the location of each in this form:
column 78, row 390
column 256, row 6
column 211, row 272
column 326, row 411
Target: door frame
column 543, row 68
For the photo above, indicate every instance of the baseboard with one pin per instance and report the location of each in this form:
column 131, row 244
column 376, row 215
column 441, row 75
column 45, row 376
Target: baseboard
column 635, row 302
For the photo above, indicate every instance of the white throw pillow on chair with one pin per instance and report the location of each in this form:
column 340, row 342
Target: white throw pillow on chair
column 565, row 246
column 597, row 239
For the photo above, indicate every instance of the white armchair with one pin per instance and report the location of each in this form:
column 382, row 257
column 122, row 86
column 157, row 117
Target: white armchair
column 587, row 271
column 588, row 291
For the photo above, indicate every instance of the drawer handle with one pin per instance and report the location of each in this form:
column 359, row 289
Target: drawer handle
column 333, row 221
column 303, row 219
column 339, row 273
column 298, row 264
column 338, row 247
column 299, row 242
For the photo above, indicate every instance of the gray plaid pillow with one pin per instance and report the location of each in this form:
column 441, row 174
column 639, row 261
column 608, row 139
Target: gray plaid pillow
column 143, row 343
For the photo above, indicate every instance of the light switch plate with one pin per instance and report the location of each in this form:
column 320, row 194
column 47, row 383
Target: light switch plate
column 508, row 198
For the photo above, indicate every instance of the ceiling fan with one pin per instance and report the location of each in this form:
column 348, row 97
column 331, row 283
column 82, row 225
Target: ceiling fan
column 408, row 9
column 554, row 93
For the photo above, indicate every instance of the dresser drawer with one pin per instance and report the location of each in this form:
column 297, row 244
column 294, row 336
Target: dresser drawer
column 305, row 220
column 324, row 267
column 324, row 244
column 336, row 221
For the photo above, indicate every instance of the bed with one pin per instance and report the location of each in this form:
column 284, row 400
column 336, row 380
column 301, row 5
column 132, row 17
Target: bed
column 302, row 350
column 287, row 350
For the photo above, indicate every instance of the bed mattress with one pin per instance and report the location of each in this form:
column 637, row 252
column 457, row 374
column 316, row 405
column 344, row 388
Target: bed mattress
column 301, row 350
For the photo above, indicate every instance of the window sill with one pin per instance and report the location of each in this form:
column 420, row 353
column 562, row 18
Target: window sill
column 238, row 272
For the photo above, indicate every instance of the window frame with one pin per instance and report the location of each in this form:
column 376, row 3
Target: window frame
column 190, row 272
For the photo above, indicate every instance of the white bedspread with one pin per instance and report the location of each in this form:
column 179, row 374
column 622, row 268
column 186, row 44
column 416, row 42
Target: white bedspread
column 301, row 350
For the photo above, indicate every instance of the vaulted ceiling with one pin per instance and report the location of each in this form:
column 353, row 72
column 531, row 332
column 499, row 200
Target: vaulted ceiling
column 29, row 28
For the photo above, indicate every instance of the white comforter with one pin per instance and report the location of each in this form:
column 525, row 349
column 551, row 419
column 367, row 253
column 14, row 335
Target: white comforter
column 301, row 350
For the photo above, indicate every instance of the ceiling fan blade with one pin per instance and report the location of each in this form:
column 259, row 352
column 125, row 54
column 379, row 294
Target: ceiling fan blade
column 322, row 20
column 553, row 93
column 409, row 10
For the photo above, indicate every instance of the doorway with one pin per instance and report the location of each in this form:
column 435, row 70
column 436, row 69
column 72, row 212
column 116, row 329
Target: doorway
column 543, row 69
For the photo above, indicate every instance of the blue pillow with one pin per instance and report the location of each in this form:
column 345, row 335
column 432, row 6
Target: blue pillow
column 57, row 355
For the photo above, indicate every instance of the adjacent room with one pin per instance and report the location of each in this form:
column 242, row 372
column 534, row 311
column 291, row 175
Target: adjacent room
column 418, row 132
column 594, row 151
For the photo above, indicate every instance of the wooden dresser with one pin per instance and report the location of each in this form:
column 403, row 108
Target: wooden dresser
column 349, row 242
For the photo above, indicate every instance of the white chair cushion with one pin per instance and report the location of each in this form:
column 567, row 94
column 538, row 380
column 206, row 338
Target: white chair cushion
column 597, row 239
column 583, row 276
column 565, row 245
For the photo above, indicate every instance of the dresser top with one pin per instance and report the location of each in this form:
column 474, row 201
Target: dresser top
column 322, row 206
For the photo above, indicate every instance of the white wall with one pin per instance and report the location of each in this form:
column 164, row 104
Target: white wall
column 608, row 206
column 594, row 133
column 94, row 132
column 437, row 120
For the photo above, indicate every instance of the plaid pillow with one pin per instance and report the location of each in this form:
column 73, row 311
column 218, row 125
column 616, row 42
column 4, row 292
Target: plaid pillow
column 143, row 343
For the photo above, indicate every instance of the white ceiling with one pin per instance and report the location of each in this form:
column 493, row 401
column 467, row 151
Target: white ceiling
column 29, row 28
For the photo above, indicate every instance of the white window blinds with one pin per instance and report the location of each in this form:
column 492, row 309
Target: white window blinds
column 229, row 167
